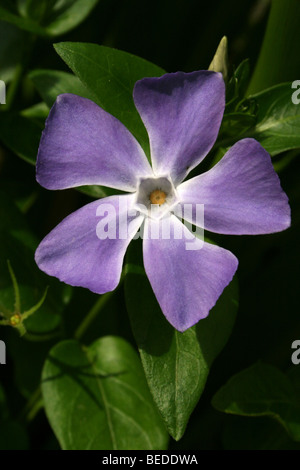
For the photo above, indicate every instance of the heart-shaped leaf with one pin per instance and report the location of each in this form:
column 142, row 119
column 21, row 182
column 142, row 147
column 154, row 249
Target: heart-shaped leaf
column 97, row 397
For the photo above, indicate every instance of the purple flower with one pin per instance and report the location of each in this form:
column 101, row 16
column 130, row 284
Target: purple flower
column 182, row 112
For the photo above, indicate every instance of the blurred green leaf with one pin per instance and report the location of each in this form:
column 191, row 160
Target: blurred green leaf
column 28, row 125
column 35, row 10
column 110, row 75
column 278, row 119
column 46, row 18
column 10, row 50
column 67, row 14
column 25, row 24
column 261, row 390
column 51, row 83
column 21, row 135
column 38, row 112
column 176, row 364
column 97, row 398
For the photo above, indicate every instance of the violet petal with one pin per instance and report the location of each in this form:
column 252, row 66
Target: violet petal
column 73, row 253
column 186, row 283
column 182, row 113
column 83, row 145
column 241, row 194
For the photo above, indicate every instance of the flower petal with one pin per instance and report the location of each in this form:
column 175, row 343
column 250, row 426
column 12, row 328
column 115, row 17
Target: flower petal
column 74, row 253
column 82, row 145
column 186, row 283
column 241, row 194
column 182, row 113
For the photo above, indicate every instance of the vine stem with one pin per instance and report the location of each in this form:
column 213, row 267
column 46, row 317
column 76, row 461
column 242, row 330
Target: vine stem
column 90, row 317
column 94, row 312
column 32, row 407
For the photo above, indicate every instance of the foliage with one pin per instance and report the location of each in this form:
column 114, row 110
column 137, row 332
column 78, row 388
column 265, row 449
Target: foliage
column 109, row 372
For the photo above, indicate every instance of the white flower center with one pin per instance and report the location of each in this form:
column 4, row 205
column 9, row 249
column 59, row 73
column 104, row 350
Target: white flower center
column 156, row 196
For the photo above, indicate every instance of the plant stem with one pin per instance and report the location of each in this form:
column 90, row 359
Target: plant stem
column 32, row 407
column 93, row 313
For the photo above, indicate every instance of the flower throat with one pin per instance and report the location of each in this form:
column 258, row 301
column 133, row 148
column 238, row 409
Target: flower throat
column 158, row 197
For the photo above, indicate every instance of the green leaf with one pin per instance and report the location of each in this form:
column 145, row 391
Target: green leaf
column 278, row 119
column 10, row 50
column 25, row 24
column 176, row 364
column 236, row 123
column 28, row 125
column 67, row 14
column 261, row 390
column 33, row 9
column 237, row 85
column 110, row 75
column 38, row 113
column 97, row 397
column 51, row 83
column 28, row 132
column 46, row 18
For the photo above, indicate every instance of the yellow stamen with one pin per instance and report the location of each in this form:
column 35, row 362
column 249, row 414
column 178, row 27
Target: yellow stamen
column 158, row 197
